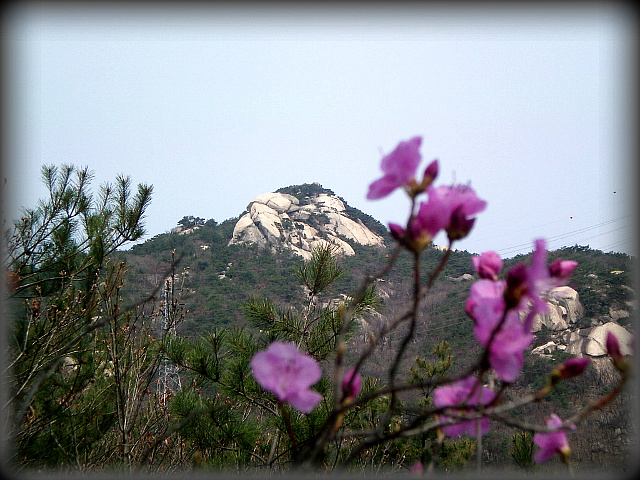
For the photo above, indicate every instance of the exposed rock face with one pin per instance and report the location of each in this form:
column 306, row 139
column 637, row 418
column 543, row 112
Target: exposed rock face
column 565, row 309
column 591, row 341
column 280, row 220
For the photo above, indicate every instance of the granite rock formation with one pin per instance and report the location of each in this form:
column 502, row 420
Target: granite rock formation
column 279, row 220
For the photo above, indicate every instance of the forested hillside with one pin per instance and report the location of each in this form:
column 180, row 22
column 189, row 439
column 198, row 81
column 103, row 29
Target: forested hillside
column 145, row 358
column 217, row 281
column 217, row 278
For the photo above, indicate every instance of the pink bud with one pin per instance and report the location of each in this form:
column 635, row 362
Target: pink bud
column 351, row 383
column 573, row 367
column 417, row 468
column 460, row 225
column 397, row 232
column 516, row 284
column 432, row 170
column 562, row 269
column 487, row 264
column 613, row 346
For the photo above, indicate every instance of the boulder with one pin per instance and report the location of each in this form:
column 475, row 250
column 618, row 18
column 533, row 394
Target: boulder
column 591, row 341
column 565, row 309
column 280, row 202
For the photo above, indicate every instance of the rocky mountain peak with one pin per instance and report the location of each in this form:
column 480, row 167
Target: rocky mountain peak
column 300, row 221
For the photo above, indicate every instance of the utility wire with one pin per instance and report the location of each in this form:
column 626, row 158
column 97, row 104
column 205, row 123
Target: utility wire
column 515, row 249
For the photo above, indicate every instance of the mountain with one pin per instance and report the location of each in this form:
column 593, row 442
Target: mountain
column 224, row 264
column 221, row 266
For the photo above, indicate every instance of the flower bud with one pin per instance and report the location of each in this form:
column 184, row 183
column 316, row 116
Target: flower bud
column 397, row 232
column 569, row 369
column 562, row 269
column 613, row 346
column 430, row 174
column 516, row 285
column 613, row 349
column 573, row 367
column 487, row 264
column 460, row 225
column 351, row 384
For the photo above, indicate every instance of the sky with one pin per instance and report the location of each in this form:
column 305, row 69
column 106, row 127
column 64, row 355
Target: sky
column 214, row 106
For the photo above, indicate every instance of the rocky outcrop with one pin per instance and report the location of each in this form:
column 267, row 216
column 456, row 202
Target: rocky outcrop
column 565, row 309
column 278, row 220
column 591, row 341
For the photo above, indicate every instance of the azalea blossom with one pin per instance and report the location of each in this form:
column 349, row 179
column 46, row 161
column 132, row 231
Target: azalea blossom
column 532, row 283
column 399, row 168
column 553, row 442
column 486, row 306
column 448, row 208
column 506, row 352
column 496, row 306
column 287, row 373
column 460, row 393
column 613, row 346
column 613, row 349
column 562, row 269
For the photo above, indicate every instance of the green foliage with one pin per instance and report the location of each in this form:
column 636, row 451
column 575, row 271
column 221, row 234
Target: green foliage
column 305, row 191
column 321, row 271
column 68, row 236
column 189, row 221
column 81, row 363
column 217, row 433
column 455, row 455
column 522, row 449
column 426, row 370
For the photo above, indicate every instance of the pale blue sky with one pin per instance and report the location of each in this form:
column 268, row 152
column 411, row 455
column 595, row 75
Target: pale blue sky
column 214, row 106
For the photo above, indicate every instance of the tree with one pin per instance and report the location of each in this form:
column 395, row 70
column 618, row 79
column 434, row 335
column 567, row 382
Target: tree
column 80, row 363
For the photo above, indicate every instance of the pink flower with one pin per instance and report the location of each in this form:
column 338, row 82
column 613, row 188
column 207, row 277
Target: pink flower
column 538, row 280
column 397, row 231
column 448, row 208
column 288, row 374
column 553, row 442
column 613, row 349
column 430, row 173
column 532, row 283
column 460, row 393
column 613, row 346
column 399, row 168
column 486, row 306
column 487, row 264
column 493, row 301
column 506, row 352
column 562, row 269
column 351, row 383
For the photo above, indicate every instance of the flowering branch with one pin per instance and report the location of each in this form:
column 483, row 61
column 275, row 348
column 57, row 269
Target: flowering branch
column 502, row 312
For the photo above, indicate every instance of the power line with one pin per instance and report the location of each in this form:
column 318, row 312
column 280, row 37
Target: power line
column 519, row 247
